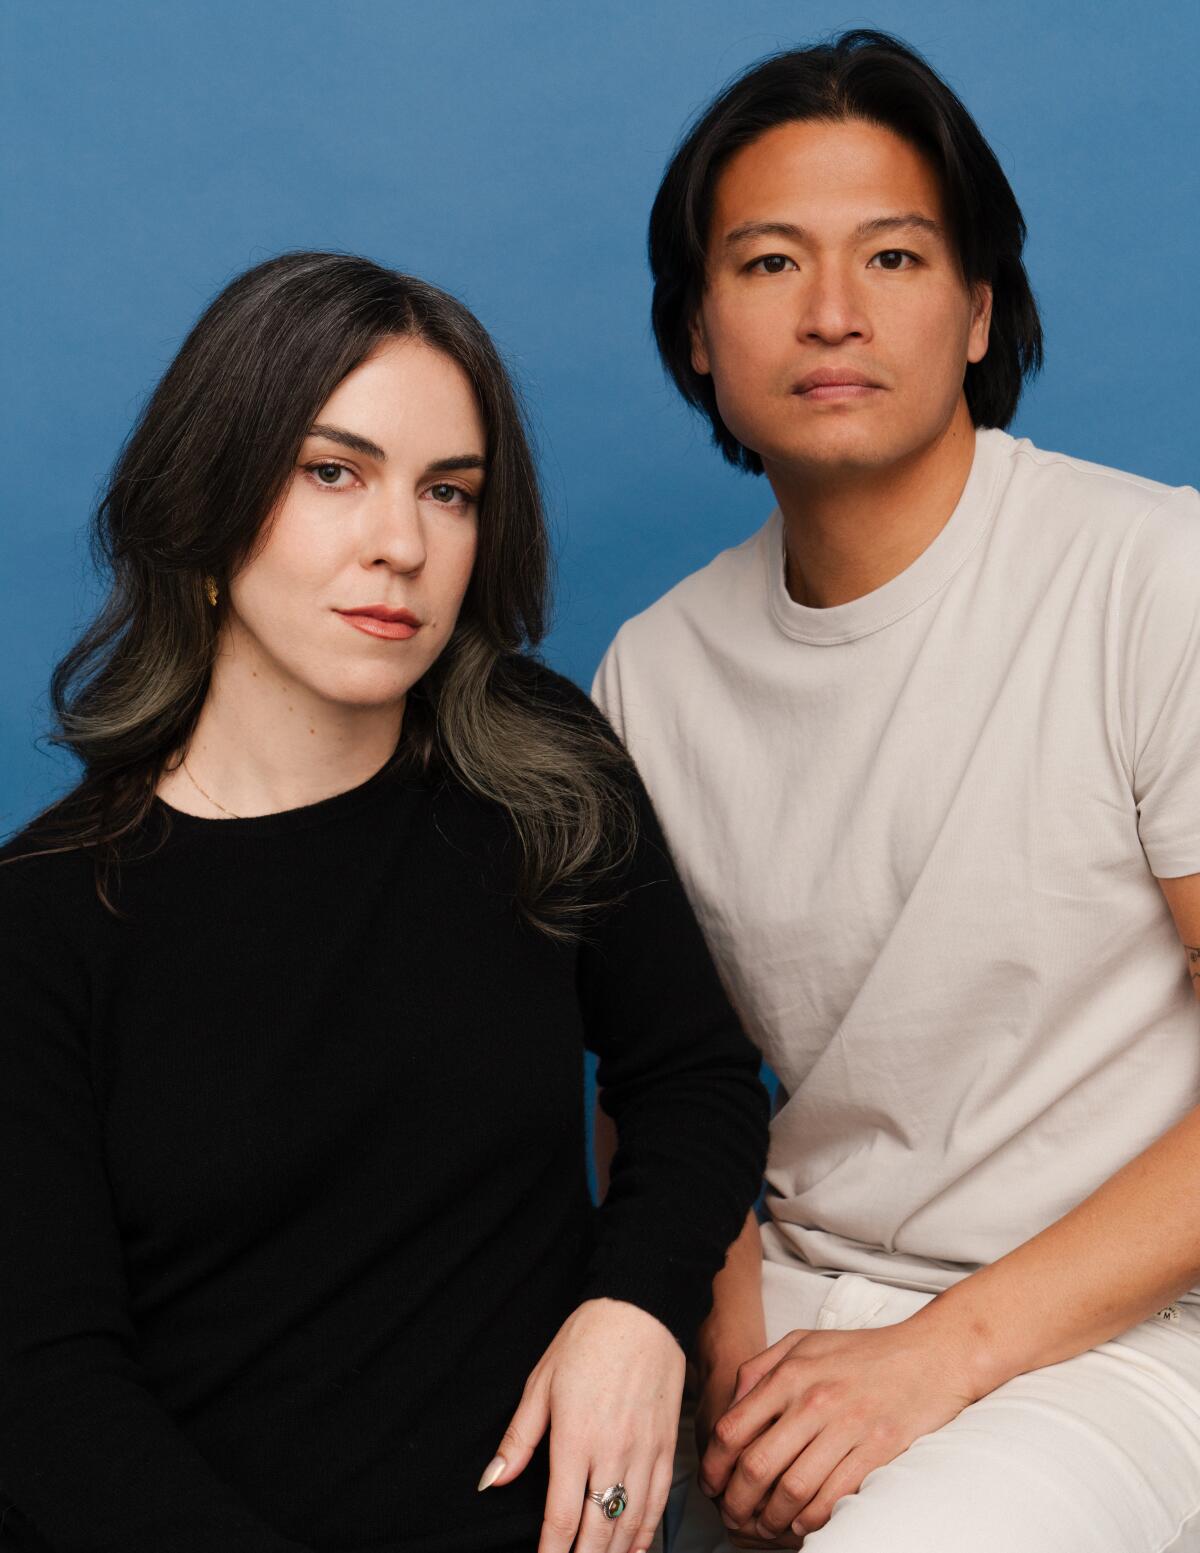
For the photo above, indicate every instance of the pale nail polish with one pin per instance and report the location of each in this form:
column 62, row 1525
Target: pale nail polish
column 491, row 1472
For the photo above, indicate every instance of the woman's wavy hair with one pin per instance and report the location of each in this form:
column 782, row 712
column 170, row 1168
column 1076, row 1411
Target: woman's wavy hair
column 863, row 75
column 202, row 471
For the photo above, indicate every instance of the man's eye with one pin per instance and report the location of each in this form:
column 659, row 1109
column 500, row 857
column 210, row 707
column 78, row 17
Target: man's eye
column 772, row 263
column 894, row 259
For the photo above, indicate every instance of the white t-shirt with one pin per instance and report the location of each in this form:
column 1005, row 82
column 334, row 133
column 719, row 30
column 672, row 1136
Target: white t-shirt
column 920, row 831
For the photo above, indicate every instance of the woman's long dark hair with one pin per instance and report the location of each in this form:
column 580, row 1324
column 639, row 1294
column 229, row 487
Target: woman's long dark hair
column 860, row 75
column 205, row 466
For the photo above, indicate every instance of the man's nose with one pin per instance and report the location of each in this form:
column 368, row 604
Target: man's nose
column 833, row 308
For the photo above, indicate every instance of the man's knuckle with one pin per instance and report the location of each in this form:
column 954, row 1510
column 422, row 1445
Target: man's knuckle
column 812, row 1517
column 883, row 1434
column 755, row 1465
column 773, row 1519
column 725, row 1430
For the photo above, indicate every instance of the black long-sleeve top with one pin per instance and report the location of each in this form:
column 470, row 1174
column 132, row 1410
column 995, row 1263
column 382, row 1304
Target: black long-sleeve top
column 292, row 1179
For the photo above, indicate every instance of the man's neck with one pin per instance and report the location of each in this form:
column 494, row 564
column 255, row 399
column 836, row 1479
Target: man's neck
column 848, row 534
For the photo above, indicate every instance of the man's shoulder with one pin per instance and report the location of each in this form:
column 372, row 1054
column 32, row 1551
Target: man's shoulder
column 1096, row 493
column 720, row 585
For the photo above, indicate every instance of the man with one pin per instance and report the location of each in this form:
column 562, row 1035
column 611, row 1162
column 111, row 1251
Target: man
column 927, row 750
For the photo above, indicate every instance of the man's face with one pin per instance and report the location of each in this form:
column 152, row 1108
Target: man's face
column 836, row 323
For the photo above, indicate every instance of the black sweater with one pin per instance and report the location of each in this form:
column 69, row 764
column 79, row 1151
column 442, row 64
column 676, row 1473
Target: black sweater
column 292, row 1178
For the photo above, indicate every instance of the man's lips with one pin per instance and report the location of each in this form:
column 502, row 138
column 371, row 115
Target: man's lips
column 836, row 383
column 394, row 625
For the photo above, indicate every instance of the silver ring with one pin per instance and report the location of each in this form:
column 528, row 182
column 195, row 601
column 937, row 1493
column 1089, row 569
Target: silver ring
column 613, row 1501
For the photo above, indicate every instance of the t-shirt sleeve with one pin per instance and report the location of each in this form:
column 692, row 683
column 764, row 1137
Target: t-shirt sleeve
column 1158, row 663
column 88, row 1457
column 680, row 1080
column 606, row 689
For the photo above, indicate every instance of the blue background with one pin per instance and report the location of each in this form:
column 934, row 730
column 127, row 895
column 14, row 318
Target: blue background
column 509, row 151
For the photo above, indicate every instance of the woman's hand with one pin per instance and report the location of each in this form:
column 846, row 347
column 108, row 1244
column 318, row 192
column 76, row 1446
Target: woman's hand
column 609, row 1387
column 816, row 1413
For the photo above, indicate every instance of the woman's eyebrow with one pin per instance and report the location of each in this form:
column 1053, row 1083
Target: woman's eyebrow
column 457, row 461
column 350, row 439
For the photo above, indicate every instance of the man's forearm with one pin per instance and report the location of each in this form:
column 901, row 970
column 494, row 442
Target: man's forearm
column 1124, row 1253
column 735, row 1329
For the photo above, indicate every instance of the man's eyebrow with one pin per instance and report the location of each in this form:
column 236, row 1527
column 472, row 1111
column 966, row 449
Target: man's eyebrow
column 911, row 218
column 749, row 229
column 351, row 440
column 797, row 234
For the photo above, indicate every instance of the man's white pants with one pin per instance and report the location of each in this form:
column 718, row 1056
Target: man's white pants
column 1100, row 1454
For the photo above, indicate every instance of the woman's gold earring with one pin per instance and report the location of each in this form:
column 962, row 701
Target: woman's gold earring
column 210, row 590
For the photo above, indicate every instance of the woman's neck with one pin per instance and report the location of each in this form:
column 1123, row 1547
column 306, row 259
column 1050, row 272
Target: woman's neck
column 263, row 744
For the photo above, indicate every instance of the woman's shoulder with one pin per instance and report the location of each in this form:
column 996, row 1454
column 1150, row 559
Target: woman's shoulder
column 40, row 876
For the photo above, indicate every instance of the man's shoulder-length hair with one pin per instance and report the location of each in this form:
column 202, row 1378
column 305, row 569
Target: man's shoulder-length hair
column 870, row 76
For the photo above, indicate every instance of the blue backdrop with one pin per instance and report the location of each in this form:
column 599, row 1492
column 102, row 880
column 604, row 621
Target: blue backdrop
column 509, row 150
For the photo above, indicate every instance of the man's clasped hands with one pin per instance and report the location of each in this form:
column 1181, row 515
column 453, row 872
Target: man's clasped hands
column 801, row 1424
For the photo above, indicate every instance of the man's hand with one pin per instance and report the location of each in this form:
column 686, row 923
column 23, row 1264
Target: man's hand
column 815, row 1413
column 715, row 1397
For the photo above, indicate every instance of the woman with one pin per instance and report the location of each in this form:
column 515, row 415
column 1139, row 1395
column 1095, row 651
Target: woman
column 299, row 978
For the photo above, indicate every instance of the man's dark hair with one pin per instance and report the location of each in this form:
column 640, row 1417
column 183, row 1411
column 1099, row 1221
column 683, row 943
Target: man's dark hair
column 873, row 77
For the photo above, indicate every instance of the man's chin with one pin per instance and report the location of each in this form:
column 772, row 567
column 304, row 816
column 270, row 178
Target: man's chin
column 834, row 459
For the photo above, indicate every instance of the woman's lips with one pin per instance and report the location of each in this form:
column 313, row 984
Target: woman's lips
column 392, row 628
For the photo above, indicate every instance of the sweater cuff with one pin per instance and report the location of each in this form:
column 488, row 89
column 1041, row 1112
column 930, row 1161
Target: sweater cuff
column 671, row 1290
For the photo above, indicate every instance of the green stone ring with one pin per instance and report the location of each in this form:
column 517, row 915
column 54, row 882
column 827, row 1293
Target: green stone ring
column 613, row 1501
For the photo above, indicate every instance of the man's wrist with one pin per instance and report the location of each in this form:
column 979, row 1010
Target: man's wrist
column 965, row 1342
column 718, row 1355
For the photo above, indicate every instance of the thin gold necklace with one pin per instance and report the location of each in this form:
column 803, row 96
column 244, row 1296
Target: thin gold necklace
column 208, row 796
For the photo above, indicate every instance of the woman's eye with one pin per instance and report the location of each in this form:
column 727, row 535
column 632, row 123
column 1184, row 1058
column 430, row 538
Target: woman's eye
column 772, row 263
column 894, row 259
column 328, row 474
column 450, row 495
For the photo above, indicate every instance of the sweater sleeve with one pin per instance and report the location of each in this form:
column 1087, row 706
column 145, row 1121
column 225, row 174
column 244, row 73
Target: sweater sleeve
column 88, row 1457
column 680, row 1080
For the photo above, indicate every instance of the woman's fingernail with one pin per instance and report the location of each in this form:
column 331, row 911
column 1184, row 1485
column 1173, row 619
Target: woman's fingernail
column 491, row 1472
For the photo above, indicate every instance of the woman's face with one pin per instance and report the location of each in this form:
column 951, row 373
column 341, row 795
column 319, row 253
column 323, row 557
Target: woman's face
column 357, row 582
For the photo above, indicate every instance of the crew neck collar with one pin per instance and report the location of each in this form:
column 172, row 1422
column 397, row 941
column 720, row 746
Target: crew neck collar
column 927, row 575
column 396, row 772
